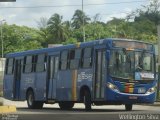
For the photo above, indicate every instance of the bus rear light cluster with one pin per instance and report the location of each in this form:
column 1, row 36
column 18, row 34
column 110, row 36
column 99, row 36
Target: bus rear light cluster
column 112, row 87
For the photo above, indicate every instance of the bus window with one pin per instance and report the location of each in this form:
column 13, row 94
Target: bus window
column 75, row 56
column 87, row 58
column 64, row 59
column 9, row 66
column 40, row 63
column 27, row 64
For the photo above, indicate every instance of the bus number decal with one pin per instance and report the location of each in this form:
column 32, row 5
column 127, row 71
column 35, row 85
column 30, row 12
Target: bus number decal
column 84, row 76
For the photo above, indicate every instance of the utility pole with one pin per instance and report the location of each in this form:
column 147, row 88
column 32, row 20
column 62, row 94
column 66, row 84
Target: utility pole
column 1, row 22
column 83, row 24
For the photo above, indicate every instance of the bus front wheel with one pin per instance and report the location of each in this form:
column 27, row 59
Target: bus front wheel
column 32, row 104
column 87, row 100
column 128, row 107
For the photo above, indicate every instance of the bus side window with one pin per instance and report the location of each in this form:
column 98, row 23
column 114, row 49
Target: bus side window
column 64, row 60
column 87, row 58
column 34, row 63
column 28, row 64
column 9, row 66
column 40, row 63
column 75, row 56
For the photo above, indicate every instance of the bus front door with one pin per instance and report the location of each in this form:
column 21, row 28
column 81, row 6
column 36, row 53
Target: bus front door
column 17, row 79
column 100, row 72
column 52, row 76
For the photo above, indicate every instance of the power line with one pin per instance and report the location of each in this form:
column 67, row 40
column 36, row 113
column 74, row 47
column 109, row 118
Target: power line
column 48, row 6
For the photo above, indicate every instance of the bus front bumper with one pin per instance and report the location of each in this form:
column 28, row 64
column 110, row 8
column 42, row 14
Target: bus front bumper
column 127, row 98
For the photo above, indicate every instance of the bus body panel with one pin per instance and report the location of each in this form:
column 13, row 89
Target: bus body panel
column 8, row 87
column 40, row 86
column 84, row 78
column 64, row 86
column 28, row 82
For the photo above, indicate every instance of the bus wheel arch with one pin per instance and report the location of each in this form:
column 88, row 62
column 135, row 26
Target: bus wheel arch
column 85, row 97
column 30, row 97
column 28, row 90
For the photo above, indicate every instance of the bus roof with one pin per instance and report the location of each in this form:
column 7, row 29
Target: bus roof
column 70, row 46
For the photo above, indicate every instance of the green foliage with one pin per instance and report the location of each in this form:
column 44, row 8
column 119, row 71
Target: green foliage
column 57, row 28
column 56, row 31
column 70, row 41
column 79, row 18
column 18, row 38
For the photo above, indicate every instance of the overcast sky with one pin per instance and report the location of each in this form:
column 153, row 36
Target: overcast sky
column 19, row 12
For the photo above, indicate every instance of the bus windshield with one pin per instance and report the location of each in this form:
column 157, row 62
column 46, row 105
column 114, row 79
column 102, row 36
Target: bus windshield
column 127, row 63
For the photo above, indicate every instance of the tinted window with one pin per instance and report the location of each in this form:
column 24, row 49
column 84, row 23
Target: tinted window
column 64, row 60
column 87, row 58
column 28, row 64
column 40, row 64
column 9, row 66
column 75, row 58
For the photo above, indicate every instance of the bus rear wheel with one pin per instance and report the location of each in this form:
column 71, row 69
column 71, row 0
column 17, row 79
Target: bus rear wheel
column 32, row 104
column 66, row 105
column 87, row 100
column 128, row 107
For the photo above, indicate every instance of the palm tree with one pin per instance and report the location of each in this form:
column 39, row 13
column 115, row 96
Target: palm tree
column 57, row 28
column 78, row 19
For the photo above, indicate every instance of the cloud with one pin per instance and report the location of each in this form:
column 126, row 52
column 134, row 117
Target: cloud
column 5, row 4
column 29, row 16
column 121, row 14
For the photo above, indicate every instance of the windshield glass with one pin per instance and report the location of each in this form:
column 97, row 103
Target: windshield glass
column 144, row 61
column 124, row 64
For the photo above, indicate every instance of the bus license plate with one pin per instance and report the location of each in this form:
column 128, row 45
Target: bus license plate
column 141, row 90
column 133, row 97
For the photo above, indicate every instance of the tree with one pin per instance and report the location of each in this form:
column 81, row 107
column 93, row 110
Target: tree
column 94, row 31
column 20, row 38
column 150, row 12
column 78, row 18
column 57, row 28
column 43, row 32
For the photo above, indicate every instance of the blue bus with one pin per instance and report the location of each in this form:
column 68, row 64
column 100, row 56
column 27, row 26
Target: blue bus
column 110, row 71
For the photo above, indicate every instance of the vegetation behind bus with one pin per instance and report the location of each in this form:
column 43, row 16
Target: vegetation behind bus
column 143, row 27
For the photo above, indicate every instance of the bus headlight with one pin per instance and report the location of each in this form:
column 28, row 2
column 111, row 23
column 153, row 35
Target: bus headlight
column 112, row 87
column 150, row 90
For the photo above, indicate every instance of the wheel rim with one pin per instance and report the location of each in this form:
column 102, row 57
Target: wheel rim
column 30, row 100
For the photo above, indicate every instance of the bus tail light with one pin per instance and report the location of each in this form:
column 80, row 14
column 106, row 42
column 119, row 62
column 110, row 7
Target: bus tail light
column 112, row 87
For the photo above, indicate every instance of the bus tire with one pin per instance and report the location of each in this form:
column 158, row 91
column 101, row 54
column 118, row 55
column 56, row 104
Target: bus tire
column 128, row 107
column 32, row 104
column 87, row 100
column 66, row 105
